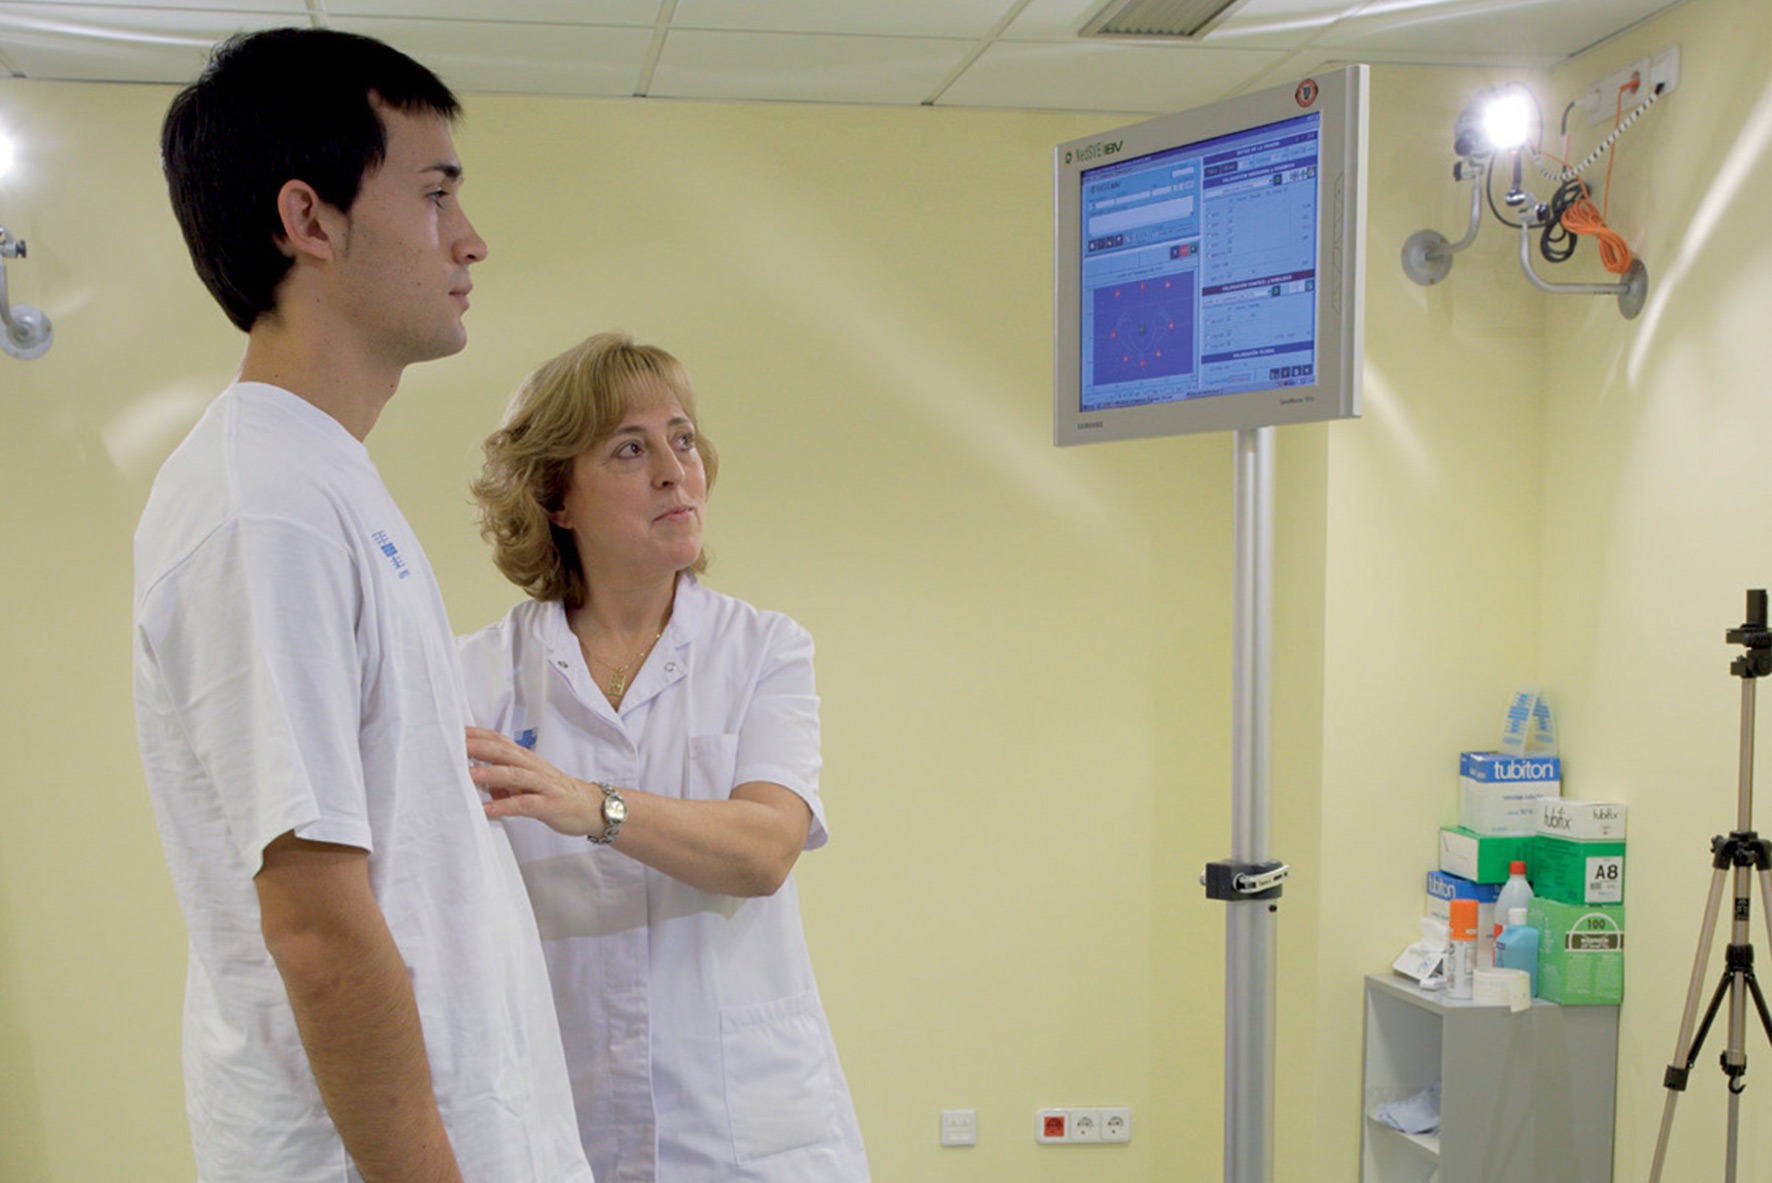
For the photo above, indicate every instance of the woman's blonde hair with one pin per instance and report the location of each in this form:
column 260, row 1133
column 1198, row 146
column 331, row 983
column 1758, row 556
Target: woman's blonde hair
column 572, row 402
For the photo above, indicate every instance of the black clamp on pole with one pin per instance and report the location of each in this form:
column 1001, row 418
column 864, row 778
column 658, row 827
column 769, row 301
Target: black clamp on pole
column 1226, row 880
column 1741, row 848
column 1753, row 633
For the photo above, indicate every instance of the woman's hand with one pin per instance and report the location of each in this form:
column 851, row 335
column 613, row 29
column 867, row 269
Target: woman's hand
column 743, row 846
column 522, row 784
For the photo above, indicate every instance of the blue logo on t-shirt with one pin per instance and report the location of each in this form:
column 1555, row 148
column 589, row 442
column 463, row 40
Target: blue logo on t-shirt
column 526, row 738
column 393, row 552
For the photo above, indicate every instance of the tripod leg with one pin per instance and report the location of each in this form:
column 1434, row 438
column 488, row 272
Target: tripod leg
column 1731, row 1156
column 1710, row 1016
column 1753, row 984
column 1682, row 1061
column 1766, row 905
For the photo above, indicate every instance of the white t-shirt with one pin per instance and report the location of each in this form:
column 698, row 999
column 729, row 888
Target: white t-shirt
column 697, row 1044
column 295, row 671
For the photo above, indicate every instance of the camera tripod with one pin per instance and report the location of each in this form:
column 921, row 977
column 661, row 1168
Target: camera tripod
column 1733, row 856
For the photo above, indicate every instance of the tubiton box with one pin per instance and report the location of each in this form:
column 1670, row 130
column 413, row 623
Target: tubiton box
column 1499, row 793
column 1443, row 888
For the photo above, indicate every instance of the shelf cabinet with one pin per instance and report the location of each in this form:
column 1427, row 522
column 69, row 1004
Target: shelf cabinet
column 1524, row 1097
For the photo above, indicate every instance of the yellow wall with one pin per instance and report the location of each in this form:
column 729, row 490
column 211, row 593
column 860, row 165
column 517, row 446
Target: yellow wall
column 1543, row 491
column 1658, row 482
column 1013, row 639
column 1024, row 652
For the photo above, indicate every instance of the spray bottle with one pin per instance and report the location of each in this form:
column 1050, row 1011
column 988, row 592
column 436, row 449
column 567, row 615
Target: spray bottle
column 1461, row 955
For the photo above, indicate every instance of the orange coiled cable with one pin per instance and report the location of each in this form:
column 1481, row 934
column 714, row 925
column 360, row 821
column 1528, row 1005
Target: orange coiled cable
column 1583, row 217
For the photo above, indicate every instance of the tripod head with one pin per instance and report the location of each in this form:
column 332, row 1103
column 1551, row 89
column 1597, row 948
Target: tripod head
column 1757, row 661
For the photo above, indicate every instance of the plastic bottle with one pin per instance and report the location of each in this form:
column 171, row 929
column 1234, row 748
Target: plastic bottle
column 1517, row 947
column 1461, row 956
column 1515, row 893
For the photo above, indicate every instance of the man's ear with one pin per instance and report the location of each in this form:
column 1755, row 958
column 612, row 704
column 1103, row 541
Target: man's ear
column 310, row 226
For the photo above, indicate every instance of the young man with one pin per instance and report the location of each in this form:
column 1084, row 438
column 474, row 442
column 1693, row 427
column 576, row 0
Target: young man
column 366, row 997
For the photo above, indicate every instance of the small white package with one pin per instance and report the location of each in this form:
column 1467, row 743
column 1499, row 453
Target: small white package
column 1425, row 960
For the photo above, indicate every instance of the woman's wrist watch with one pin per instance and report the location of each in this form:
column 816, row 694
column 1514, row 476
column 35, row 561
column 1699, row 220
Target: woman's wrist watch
column 615, row 812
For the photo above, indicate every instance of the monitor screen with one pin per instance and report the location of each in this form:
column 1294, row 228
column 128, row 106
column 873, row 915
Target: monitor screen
column 1208, row 266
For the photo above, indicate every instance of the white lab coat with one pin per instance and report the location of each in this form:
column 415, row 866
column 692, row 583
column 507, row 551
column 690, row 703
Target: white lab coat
column 697, row 1045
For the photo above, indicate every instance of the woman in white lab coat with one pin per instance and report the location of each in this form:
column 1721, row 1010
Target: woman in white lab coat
column 676, row 729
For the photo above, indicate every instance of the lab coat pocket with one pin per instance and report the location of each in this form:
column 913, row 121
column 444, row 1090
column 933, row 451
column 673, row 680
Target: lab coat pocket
column 711, row 763
column 779, row 1091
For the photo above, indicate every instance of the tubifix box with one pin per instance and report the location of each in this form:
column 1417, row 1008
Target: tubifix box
column 1499, row 794
column 1587, row 821
column 1481, row 858
column 1576, row 871
column 1580, row 952
column 1442, row 889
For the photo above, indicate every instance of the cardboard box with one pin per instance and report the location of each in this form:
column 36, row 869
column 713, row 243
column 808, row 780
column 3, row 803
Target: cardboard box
column 1481, row 858
column 1588, row 821
column 1442, row 889
column 1499, row 794
column 1580, row 952
column 1571, row 871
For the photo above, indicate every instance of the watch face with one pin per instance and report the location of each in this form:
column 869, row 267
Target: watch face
column 615, row 810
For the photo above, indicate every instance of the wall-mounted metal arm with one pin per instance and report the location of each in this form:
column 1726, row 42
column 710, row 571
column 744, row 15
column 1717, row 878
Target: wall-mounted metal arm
column 1427, row 256
column 27, row 332
column 1631, row 291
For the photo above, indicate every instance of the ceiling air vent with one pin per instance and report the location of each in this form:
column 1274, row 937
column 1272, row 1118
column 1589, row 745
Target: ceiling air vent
column 1158, row 18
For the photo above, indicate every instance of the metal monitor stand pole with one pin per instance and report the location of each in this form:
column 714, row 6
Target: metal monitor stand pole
column 1249, row 882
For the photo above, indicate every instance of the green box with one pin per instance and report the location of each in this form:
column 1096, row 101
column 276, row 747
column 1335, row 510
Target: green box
column 1481, row 858
column 1580, row 952
column 1574, row 871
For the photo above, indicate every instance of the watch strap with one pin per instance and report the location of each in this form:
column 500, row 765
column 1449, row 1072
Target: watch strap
column 612, row 817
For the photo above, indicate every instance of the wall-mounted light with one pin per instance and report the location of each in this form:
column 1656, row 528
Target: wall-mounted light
column 1504, row 124
column 25, row 332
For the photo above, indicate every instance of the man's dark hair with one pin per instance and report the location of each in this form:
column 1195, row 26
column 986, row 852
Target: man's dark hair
column 271, row 107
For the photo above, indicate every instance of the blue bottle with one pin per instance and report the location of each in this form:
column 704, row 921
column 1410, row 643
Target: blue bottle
column 1517, row 947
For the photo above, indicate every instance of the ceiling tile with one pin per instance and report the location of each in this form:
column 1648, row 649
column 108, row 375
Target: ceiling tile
column 804, row 67
column 1281, row 23
column 892, row 52
column 85, row 43
column 896, row 18
column 475, row 56
column 559, row 12
column 1286, row 24
column 1544, row 31
column 1097, row 76
column 296, row 9
column 1051, row 20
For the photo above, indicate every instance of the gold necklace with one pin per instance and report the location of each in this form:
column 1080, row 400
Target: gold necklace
column 619, row 681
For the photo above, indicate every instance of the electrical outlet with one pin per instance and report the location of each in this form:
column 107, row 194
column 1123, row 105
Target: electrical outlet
column 1083, row 1125
column 1664, row 70
column 1612, row 96
column 1603, row 99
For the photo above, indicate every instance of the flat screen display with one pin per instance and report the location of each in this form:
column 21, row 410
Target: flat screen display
column 1208, row 266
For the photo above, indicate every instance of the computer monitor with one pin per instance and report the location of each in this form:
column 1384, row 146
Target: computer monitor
column 1209, row 266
